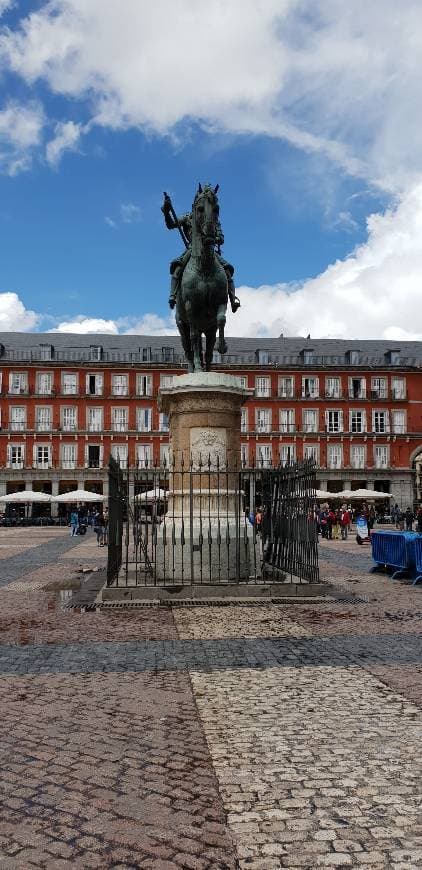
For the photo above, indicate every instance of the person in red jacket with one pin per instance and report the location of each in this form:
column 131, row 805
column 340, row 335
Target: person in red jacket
column 344, row 522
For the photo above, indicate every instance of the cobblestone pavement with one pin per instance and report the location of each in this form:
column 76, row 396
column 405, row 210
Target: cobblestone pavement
column 207, row 737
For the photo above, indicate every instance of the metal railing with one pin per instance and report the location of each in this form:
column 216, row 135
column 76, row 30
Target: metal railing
column 204, row 523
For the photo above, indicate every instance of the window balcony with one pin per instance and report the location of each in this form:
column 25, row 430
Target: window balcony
column 18, row 391
column 357, row 395
column 333, row 394
column 95, row 427
column 399, row 395
column 285, row 428
column 42, row 463
column 120, row 427
column 69, row 427
column 17, row 426
column 16, row 466
column 377, row 395
column 43, row 427
column 68, row 464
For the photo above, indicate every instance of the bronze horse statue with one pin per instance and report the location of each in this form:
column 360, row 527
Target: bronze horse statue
column 202, row 296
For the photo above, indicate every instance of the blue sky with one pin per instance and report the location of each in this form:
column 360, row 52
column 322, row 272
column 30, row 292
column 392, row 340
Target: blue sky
column 320, row 192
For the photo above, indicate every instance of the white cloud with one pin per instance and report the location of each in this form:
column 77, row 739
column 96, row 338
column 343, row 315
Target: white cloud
column 66, row 138
column 328, row 76
column 110, row 222
column 149, row 324
column 130, row 213
column 5, row 5
column 14, row 317
column 375, row 292
column 21, row 130
column 85, row 325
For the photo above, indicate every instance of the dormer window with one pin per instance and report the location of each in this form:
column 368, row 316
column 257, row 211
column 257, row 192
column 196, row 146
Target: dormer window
column 393, row 357
column 95, row 352
column 168, row 354
column 353, row 357
column 145, row 354
column 46, row 352
column 263, row 357
column 308, row 356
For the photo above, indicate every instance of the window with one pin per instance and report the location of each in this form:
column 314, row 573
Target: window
column 166, row 381
column 243, row 419
column 143, row 455
column 354, row 357
column 380, row 422
column 95, row 352
column 146, row 354
column 95, row 419
column 263, row 454
column 399, row 422
column 381, row 457
column 334, row 421
column 357, row 420
column 119, row 452
column 167, row 354
column 68, row 456
column 263, row 420
column 94, row 455
column 263, row 357
column 310, row 388
column 70, row 383
column 165, row 455
column 44, row 383
column 69, row 419
column 286, row 386
column 287, row 420
column 262, row 387
column 15, row 455
column 144, row 385
column 334, row 456
column 94, row 384
column 333, row 388
column 357, row 456
column 163, row 423
column 398, row 388
column 311, row 452
column 310, row 420
column 46, row 351
column 18, row 383
column 43, row 419
column 287, row 454
column 308, row 357
column 244, row 454
column 42, row 455
column 144, row 419
column 119, row 385
column 243, row 381
column 394, row 357
column 379, row 388
column 119, row 419
column 17, row 419
column 357, row 388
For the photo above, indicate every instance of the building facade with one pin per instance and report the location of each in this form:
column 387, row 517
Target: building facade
column 69, row 401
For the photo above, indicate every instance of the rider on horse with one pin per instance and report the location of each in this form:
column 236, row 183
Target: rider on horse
column 177, row 266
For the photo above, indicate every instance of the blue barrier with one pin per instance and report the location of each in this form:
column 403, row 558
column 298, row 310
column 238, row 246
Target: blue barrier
column 418, row 559
column 395, row 550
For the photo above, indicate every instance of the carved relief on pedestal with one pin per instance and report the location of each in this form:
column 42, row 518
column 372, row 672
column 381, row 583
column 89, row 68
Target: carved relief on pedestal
column 208, row 446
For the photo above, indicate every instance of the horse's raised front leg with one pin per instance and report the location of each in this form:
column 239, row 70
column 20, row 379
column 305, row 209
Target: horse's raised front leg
column 221, row 322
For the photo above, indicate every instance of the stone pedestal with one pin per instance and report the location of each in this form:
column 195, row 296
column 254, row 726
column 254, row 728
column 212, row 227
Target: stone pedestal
column 204, row 536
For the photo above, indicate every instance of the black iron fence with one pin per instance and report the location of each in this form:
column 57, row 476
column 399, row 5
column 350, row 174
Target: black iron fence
column 208, row 524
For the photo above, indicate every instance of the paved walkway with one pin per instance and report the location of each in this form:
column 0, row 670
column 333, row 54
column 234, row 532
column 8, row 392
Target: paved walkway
column 213, row 737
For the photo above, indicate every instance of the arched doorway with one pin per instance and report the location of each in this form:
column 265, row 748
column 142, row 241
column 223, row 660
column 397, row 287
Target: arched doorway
column 416, row 460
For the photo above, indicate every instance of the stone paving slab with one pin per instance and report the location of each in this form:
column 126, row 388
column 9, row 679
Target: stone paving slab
column 45, row 553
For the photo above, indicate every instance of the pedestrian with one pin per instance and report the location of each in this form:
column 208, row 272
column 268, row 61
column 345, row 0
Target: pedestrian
column 336, row 525
column 419, row 519
column 344, row 522
column 105, row 527
column 331, row 518
column 98, row 527
column 409, row 517
column 258, row 520
column 74, row 522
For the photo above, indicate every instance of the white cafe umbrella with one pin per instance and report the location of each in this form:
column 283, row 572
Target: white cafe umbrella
column 25, row 496
column 151, row 495
column 322, row 494
column 77, row 495
column 364, row 494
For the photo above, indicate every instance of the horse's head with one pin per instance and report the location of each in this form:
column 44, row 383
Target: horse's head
column 206, row 213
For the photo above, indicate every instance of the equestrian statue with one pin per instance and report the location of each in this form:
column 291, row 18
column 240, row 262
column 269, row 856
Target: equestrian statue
column 201, row 280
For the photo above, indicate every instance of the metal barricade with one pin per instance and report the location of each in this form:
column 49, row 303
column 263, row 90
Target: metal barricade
column 394, row 550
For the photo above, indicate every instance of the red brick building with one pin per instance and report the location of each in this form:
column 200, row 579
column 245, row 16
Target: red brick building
column 68, row 401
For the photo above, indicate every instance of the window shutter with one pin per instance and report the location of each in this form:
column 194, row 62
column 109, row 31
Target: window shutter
column 326, row 420
column 9, row 454
column 340, row 421
column 86, row 455
column 387, row 421
column 101, row 456
column 364, row 428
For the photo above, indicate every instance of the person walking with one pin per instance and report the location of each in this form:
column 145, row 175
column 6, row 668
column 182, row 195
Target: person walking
column 344, row 522
column 409, row 517
column 74, row 522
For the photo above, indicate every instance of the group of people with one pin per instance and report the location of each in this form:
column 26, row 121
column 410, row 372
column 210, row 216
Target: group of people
column 333, row 524
column 408, row 519
column 80, row 519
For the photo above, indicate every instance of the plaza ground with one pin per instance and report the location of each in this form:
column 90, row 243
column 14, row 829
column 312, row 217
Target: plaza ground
column 208, row 737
